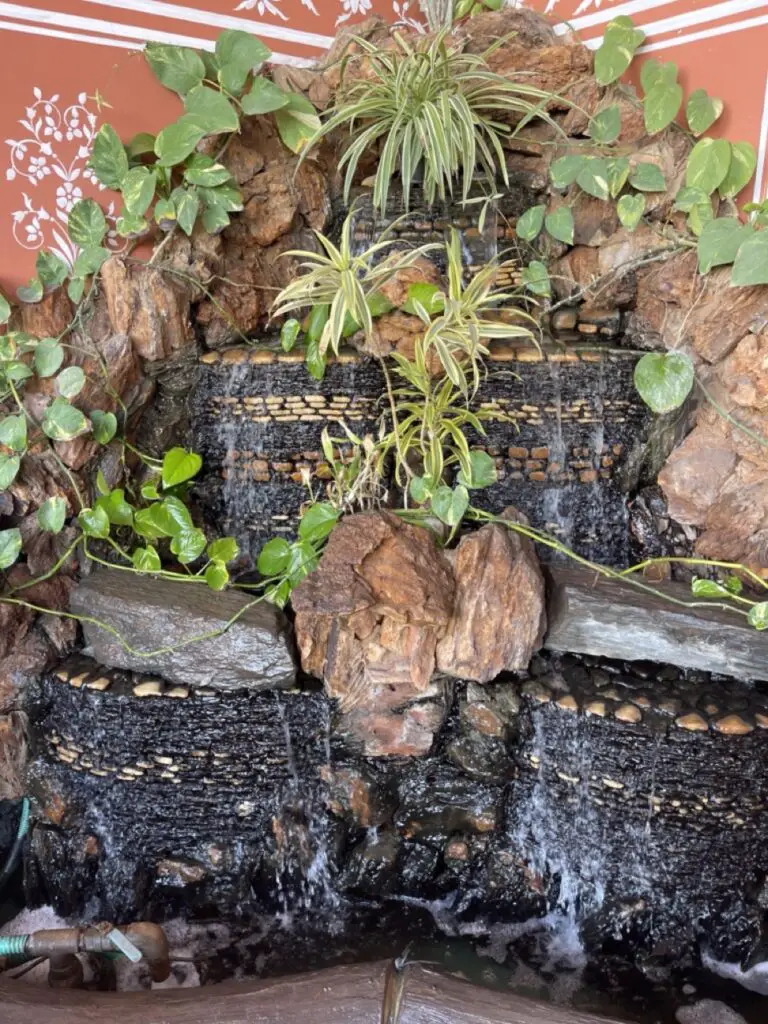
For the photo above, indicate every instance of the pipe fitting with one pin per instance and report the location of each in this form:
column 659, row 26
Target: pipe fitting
column 148, row 938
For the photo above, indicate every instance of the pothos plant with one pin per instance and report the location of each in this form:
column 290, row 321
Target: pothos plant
column 162, row 180
column 716, row 172
column 164, row 183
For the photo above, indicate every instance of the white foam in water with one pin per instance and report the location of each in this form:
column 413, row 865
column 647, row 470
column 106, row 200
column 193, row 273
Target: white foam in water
column 708, row 1011
column 755, row 979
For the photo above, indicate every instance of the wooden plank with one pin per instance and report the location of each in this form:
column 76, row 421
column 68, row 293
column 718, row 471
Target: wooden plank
column 339, row 995
column 590, row 614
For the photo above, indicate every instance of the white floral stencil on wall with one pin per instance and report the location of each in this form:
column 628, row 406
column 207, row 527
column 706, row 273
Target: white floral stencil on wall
column 263, row 7
column 51, row 159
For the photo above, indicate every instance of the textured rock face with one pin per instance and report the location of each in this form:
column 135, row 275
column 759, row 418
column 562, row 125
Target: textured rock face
column 386, row 610
column 367, row 623
column 498, row 613
column 255, row 653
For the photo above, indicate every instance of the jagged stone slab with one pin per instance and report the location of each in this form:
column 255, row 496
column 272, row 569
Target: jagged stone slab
column 167, row 618
column 589, row 614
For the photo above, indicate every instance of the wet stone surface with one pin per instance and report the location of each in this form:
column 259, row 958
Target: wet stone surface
column 568, row 438
column 585, row 788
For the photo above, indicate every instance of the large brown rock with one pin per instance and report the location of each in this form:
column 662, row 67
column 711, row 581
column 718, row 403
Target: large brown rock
column 368, row 621
column 499, row 612
column 695, row 473
column 149, row 305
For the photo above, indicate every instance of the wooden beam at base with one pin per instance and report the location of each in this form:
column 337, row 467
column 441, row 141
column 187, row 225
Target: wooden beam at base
column 338, row 995
column 590, row 614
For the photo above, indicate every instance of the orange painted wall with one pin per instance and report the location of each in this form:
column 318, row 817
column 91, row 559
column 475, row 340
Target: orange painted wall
column 62, row 58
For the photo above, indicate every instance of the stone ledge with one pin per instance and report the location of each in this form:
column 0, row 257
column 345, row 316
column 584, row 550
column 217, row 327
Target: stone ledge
column 589, row 614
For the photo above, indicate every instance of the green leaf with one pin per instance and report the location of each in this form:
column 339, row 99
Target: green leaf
column 700, row 216
column 419, row 490
column 187, row 206
column 70, row 382
column 179, row 466
column 688, row 197
column 449, row 505
column 109, row 161
column 733, row 585
column 314, row 360
column 653, row 73
column 176, row 67
column 618, row 172
column 94, row 522
column 560, row 224
column 141, row 144
column 702, row 110
column 529, row 224
column 216, row 576
column 131, row 226
column 51, row 269
column 202, row 170
column 483, row 469
column 317, row 522
column 605, row 126
column 177, row 141
column 661, row 105
column 318, row 318
column 52, row 515
column 63, row 422
column 102, row 487
column 223, row 550
column 119, row 511
column 165, row 214
column 146, row 559
column 104, row 426
column 647, row 177
column 90, row 261
column 274, row 557
column 758, row 615
column 429, row 296
column 150, row 493
column 9, row 467
column 297, row 122
column 10, row 547
column 75, row 289
column 708, row 588
column 720, row 241
column 751, row 265
column 630, row 210
column 87, row 224
column 32, row 291
column 49, row 355
column 5, row 310
column 13, row 433
column 565, row 170
column 264, row 97
column 188, row 545
column 215, row 219
column 151, row 524
column 593, row 178
column 708, row 164
column 173, row 516
column 17, row 372
column 210, row 110
column 138, row 190
column 615, row 54
column 535, row 278
column 227, row 197
column 664, row 380
column 378, row 304
column 740, row 171
column 289, row 333
column 237, row 54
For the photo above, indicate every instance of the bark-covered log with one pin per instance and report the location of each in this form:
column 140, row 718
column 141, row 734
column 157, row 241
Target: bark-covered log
column 342, row 995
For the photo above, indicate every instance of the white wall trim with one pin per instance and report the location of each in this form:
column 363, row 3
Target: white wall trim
column 707, row 33
column 758, row 193
column 669, row 24
column 176, row 12
column 56, row 30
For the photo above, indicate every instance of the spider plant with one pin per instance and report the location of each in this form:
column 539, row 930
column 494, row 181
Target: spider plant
column 430, row 417
column 459, row 331
column 430, row 106
column 347, row 282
